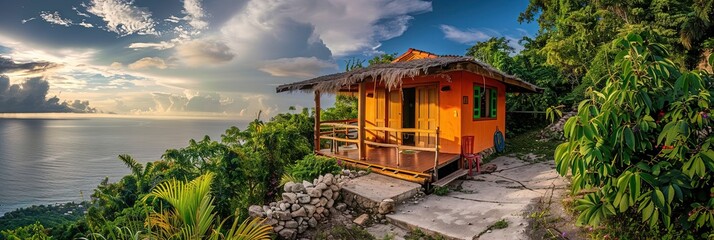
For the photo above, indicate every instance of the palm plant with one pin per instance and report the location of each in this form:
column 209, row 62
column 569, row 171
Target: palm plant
column 192, row 215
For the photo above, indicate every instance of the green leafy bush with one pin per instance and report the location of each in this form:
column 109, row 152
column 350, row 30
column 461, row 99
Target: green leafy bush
column 33, row 231
column 309, row 168
column 642, row 144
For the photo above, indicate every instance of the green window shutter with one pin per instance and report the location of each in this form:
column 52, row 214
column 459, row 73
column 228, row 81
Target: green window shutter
column 477, row 102
column 494, row 102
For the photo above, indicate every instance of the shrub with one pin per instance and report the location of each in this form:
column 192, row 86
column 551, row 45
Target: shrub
column 642, row 144
column 33, row 231
column 309, row 168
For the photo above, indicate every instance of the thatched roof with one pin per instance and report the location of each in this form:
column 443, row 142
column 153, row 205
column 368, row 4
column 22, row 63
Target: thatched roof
column 392, row 75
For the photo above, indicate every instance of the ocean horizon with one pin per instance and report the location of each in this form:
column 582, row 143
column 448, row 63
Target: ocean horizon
column 58, row 158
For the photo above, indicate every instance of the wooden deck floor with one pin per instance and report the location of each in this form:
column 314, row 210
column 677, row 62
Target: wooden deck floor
column 419, row 161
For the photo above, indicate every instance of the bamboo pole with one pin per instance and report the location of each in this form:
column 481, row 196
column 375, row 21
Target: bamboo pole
column 436, row 155
column 361, row 119
column 317, row 121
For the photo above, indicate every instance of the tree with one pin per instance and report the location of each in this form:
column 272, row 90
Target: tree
column 191, row 214
column 642, row 143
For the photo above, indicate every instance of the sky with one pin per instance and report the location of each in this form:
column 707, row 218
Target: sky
column 217, row 57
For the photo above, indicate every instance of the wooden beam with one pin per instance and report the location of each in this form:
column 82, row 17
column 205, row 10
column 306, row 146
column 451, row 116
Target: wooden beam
column 317, row 121
column 361, row 103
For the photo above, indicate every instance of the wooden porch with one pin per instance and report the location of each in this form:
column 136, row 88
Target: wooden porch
column 415, row 166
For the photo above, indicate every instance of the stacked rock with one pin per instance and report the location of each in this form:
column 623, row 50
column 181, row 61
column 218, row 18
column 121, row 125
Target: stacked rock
column 302, row 205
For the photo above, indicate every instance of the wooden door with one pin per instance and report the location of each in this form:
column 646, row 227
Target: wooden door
column 394, row 112
column 427, row 114
column 381, row 111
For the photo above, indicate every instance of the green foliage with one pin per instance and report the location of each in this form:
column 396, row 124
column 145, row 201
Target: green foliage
column 552, row 112
column 33, row 232
column 343, row 232
column 310, row 167
column 441, row 191
column 418, row 234
column 383, row 58
column 49, row 216
column 643, row 143
column 500, row 224
column 345, row 108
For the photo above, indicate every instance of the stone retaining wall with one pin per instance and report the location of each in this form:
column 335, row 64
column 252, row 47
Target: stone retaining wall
column 304, row 205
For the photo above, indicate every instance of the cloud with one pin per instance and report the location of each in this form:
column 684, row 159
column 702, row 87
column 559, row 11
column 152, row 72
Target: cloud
column 80, row 13
column 116, row 65
column 27, row 20
column 122, row 17
column 295, row 67
column 342, row 26
column 468, row 36
column 155, row 45
column 30, row 96
column 55, row 18
column 8, row 65
column 204, row 51
column 148, row 62
column 85, row 24
column 193, row 102
column 195, row 14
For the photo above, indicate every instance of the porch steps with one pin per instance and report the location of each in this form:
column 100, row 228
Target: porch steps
column 450, row 178
column 368, row 191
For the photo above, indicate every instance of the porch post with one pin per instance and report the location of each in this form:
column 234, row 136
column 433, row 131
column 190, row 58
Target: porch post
column 360, row 120
column 317, row 121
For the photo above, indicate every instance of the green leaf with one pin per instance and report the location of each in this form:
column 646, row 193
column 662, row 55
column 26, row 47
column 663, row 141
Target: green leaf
column 629, row 138
column 635, row 186
column 658, row 198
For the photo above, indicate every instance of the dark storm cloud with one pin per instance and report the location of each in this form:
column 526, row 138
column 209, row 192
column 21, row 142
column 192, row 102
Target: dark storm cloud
column 31, row 97
column 8, row 65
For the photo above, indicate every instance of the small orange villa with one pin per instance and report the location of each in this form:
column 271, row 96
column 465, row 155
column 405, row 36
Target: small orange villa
column 415, row 114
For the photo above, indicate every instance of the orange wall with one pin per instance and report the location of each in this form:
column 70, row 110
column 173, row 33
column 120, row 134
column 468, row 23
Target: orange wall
column 455, row 118
column 482, row 129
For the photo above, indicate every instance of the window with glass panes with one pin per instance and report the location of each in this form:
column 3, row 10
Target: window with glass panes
column 485, row 102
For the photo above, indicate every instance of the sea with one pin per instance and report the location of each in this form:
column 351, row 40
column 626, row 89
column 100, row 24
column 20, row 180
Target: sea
column 49, row 160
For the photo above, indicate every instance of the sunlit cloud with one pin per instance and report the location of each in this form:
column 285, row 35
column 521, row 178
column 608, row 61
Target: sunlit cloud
column 122, row 17
column 296, row 67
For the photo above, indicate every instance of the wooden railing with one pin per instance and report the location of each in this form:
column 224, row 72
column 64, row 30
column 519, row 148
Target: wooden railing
column 338, row 132
column 343, row 132
column 399, row 147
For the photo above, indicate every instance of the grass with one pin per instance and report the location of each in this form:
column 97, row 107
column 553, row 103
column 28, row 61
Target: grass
column 417, row 234
column 343, row 232
column 528, row 142
column 501, row 224
column 441, row 191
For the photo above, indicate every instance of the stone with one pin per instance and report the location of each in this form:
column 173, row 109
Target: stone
column 362, row 173
column 287, row 233
column 256, row 211
column 273, row 204
column 283, row 215
column 295, row 207
column 319, row 210
column 278, row 228
column 271, row 221
column 298, row 187
column 290, row 197
column 361, row 220
column 345, row 172
column 283, row 206
column 330, row 203
column 310, row 209
column 266, row 208
column 314, row 192
column 307, row 184
column 335, row 195
column 288, row 187
column 328, row 179
column 321, row 186
column 315, row 201
column 301, row 229
column 323, row 202
column 312, row 222
column 299, row 213
column 341, row 206
column 291, row 224
column 303, row 198
column 386, row 206
column 334, row 187
column 488, row 168
column 327, row 193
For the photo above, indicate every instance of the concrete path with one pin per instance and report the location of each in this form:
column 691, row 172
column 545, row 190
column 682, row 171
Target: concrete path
column 480, row 202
